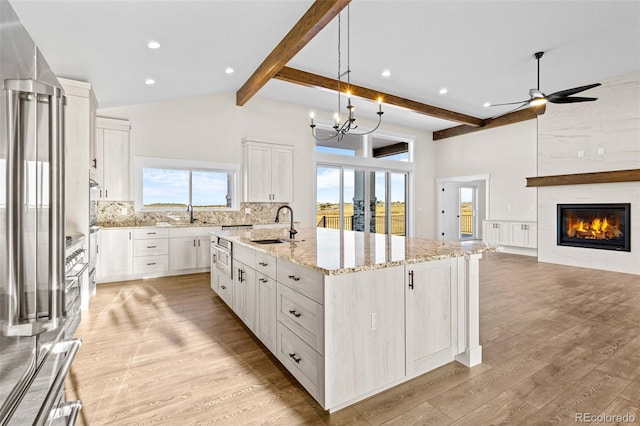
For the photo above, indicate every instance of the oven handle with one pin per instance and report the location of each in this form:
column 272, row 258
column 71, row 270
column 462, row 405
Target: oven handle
column 58, row 382
column 76, row 275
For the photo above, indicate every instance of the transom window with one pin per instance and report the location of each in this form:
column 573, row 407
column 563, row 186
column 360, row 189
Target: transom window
column 170, row 184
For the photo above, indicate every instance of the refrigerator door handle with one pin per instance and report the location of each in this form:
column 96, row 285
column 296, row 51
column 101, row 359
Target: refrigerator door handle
column 19, row 318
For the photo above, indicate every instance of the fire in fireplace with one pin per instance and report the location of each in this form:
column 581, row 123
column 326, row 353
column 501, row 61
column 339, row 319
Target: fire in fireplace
column 598, row 226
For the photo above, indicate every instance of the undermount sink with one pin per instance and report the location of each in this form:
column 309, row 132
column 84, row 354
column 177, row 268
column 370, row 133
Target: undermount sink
column 269, row 241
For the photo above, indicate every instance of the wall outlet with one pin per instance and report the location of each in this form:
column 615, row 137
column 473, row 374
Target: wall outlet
column 247, row 210
column 581, row 153
column 601, row 151
column 124, row 211
column 374, row 321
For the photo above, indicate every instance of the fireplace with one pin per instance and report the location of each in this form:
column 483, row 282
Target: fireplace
column 597, row 226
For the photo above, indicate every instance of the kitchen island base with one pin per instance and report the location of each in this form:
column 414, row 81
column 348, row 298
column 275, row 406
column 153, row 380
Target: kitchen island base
column 348, row 334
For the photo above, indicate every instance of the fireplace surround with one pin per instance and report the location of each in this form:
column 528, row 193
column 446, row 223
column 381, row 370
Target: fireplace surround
column 595, row 226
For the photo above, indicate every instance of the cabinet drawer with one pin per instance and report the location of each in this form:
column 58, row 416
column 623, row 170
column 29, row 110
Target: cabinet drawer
column 301, row 315
column 225, row 289
column 149, row 264
column 147, row 233
column 301, row 279
column 301, row 360
column 244, row 255
column 151, row 247
column 266, row 264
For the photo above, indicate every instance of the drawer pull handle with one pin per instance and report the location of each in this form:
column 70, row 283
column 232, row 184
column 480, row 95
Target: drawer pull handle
column 223, row 287
column 297, row 360
column 152, row 246
column 295, row 314
column 262, row 280
column 262, row 264
column 151, row 233
column 151, row 263
column 293, row 277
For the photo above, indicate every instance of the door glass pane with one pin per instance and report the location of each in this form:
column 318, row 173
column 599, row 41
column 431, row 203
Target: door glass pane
column 165, row 188
column 379, row 203
column 353, row 196
column 398, row 203
column 328, row 197
column 466, row 213
column 211, row 189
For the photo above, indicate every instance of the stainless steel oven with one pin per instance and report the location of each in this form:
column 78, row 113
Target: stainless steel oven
column 223, row 256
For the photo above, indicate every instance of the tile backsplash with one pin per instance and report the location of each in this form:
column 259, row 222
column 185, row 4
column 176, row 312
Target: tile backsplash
column 123, row 213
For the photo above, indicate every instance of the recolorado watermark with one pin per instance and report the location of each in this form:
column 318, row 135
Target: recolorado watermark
column 605, row 418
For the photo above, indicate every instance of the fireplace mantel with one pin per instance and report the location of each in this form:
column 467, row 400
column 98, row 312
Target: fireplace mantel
column 632, row 175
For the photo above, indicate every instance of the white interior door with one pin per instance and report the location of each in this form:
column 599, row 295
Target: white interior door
column 451, row 212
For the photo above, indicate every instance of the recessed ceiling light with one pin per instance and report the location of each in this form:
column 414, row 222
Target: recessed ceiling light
column 153, row 45
column 149, row 81
column 228, row 70
column 486, row 104
column 386, row 73
column 443, row 91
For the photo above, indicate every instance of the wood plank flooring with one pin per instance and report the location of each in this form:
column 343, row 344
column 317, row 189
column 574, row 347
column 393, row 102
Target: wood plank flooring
column 557, row 341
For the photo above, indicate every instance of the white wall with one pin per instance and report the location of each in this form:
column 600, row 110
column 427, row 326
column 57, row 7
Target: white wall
column 569, row 139
column 507, row 154
column 211, row 128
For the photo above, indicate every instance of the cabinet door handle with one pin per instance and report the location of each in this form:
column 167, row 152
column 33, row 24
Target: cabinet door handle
column 297, row 360
column 240, row 277
column 95, row 163
column 411, row 280
column 151, row 263
column 262, row 280
column 106, row 193
column 294, row 313
column 151, row 233
column 262, row 264
column 129, row 234
column 198, row 243
column 151, row 246
column 101, row 193
column 223, row 287
column 293, row 277
column 194, row 243
column 214, row 258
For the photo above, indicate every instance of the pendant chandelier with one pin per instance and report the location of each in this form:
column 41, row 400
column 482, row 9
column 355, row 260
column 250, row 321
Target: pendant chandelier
column 340, row 129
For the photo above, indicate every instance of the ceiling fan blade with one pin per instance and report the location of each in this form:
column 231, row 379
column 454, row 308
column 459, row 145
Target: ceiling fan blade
column 513, row 110
column 570, row 100
column 569, row 92
column 511, row 103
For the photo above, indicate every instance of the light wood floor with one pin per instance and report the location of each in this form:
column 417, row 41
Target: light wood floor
column 557, row 341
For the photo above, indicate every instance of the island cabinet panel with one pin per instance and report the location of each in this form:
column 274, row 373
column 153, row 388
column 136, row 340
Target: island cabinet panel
column 364, row 333
column 301, row 315
column 431, row 314
column 303, row 280
column 225, row 289
column 244, row 294
column 214, row 272
column 302, row 361
column 267, row 311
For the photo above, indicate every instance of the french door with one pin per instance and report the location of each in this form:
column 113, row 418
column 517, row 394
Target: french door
column 361, row 199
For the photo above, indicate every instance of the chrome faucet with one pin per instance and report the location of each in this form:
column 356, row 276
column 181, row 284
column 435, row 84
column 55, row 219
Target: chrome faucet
column 190, row 210
column 292, row 232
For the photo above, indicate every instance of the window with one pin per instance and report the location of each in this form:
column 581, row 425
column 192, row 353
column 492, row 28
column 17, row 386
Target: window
column 167, row 184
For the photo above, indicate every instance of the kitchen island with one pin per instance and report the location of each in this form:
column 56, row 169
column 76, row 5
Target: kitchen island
column 351, row 314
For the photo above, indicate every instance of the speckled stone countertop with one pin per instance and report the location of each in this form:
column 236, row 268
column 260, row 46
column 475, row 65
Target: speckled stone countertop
column 334, row 252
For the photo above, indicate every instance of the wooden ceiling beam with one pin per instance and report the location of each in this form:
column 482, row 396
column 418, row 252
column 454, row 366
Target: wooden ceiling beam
column 489, row 123
column 315, row 19
column 304, row 78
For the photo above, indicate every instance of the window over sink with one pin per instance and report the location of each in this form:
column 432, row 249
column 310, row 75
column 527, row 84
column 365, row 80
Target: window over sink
column 164, row 184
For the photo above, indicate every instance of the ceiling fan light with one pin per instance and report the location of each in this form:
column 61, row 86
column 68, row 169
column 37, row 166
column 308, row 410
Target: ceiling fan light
column 538, row 101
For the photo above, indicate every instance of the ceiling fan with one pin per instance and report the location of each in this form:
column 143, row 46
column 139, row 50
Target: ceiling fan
column 539, row 100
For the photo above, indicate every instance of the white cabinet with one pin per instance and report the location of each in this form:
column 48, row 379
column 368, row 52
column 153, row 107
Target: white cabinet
column 511, row 233
column 431, row 306
column 214, row 272
column 244, row 294
column 112, row 158
column 524, row 234
column 267, row 172
column 225, row 289
column 150, row 251
column 189, row 248
column 115, row 253
column 266, row 311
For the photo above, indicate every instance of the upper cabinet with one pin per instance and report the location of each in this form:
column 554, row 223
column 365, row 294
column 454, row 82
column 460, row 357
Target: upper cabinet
column 111, row 160
column 79, row 129
column 267, row 171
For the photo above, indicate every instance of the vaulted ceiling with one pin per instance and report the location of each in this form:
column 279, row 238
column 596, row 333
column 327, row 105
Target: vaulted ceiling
column 480, row 51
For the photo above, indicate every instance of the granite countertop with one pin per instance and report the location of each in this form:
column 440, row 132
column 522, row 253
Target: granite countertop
column 171, row 225
column 334, row 252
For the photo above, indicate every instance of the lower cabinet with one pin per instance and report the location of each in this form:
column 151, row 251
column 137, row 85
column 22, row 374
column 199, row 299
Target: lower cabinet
column 431, row 296
column 266, row 315
column 508, row 233
column 524, row 235
column 244, row 294
column 115, row 253
column 183, row 253
column 225, row 289
column 214, row 272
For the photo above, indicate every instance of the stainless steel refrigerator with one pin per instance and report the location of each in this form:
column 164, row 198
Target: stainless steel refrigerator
column 35, row 351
